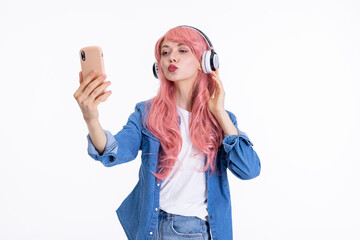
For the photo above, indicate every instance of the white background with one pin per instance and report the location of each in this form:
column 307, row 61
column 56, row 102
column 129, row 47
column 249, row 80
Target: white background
column 290, row 70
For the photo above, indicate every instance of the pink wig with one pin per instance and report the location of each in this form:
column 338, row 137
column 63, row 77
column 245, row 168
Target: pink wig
column 205, row 132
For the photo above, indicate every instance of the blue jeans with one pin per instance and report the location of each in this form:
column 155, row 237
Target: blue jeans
column 177, row 227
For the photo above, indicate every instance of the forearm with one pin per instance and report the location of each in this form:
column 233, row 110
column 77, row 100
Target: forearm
column 97, row 136
column 226, row 123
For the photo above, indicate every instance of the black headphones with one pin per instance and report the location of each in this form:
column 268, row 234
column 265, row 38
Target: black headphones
column 209, row 59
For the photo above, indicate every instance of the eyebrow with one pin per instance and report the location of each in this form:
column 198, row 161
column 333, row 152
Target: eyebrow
column 178, row 45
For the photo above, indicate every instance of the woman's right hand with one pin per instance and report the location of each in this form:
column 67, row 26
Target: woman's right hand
column 90, row 93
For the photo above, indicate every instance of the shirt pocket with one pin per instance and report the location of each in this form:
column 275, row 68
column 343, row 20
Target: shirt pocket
column 149, row 149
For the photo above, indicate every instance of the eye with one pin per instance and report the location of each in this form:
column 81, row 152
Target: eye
column 164, row 53
column 183, row 50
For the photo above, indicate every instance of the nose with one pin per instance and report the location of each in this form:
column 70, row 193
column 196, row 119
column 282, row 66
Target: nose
column 173, row 57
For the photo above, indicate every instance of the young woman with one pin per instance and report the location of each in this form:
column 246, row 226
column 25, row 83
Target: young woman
column 188, row 141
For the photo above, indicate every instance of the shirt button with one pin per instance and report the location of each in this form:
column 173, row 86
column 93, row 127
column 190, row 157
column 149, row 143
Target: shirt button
column 158, row 184
column 156, row 209
column 211, row 216
column 151, row 233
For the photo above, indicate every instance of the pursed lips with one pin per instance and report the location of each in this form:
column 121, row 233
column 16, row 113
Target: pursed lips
column 172, row 68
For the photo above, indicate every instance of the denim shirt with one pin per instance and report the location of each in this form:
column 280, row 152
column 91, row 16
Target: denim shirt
column 138, row 213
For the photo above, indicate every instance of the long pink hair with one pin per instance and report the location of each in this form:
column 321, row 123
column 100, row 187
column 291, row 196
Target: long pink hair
column 205, row 132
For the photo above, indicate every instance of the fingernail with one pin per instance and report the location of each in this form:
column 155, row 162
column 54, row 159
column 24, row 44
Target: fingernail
column 94, row 71
column 104, row 76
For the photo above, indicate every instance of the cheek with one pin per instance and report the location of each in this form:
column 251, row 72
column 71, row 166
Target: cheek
column 162, row 65
column 192, row 65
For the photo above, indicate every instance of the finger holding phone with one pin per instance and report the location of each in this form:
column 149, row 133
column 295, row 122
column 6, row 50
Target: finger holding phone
column 92, row 87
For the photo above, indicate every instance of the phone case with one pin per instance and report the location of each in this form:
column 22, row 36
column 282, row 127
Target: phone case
column 91, row 58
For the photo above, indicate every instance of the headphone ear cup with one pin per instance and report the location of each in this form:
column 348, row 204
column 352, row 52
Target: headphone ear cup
column 155, row 70
column 205, row 62
column 214, row 60
column 209, row 61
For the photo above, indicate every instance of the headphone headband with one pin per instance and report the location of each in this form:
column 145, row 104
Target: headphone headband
column 202, row 34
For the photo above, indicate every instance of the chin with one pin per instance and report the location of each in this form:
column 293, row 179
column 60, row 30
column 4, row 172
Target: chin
column 172, row 78
column 176, row 77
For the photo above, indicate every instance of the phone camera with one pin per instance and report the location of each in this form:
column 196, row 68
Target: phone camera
column 83, row 55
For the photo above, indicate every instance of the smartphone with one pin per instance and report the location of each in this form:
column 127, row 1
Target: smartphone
column 91, row 58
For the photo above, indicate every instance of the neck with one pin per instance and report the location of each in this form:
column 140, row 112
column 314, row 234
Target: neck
column 183, row 94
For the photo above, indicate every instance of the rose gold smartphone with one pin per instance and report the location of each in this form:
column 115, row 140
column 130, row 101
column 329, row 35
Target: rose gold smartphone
column 91, row 58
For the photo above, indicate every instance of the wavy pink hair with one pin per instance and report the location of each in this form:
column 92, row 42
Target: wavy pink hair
column 205, row 132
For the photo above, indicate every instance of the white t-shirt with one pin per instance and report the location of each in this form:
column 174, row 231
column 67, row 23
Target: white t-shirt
column 184, row 191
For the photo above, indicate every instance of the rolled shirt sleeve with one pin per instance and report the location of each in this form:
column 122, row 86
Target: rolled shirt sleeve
column 109, row 154
column 241, row 159
column 230, row 140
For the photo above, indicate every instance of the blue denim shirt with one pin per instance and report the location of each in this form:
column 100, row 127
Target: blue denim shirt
column 138, row 213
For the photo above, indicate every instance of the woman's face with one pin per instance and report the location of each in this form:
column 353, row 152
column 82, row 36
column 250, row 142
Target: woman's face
column 177, row 61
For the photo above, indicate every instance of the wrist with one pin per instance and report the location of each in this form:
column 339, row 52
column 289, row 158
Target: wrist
column 220, row 114
column 92, row 122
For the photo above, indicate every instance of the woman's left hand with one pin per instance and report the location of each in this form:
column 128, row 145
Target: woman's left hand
column 216, row 104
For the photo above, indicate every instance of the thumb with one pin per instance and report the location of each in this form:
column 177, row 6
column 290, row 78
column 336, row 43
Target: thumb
column 80, row 77
column 207, row 94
